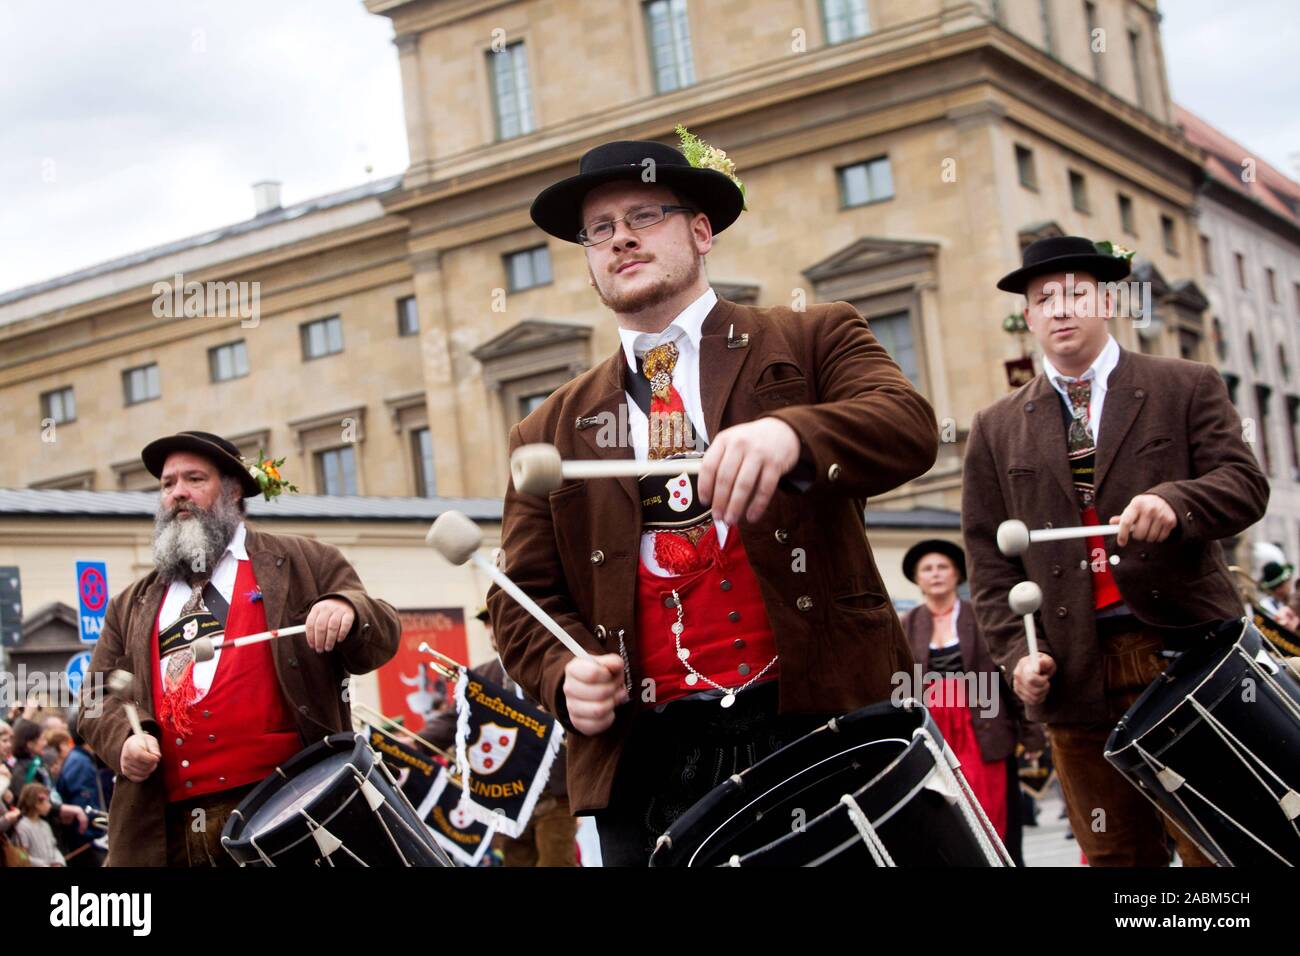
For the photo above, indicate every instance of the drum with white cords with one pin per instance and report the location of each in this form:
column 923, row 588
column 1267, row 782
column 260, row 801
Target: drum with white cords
column 877, row 787
column 333, row 804
column 1214, row 743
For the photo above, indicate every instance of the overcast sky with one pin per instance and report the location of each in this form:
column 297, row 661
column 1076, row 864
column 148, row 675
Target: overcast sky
column 126, row 124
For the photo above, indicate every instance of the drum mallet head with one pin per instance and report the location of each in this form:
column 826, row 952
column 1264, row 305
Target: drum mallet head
column 1026, row 598
column 455, row 537
column 536, row 469
column 203, row 649
column 121, row 684
column 1013, row 538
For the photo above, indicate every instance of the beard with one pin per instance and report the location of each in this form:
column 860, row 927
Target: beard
column 647, row 297
column 185, row 549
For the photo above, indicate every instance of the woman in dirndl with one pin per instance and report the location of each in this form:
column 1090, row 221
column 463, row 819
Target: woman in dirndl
column 974, row 708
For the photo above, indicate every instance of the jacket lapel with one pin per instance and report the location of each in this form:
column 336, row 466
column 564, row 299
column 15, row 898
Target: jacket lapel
column 272, row 573
column 920, row 630
column 719, row 363
column 1119, row 411
column 148, row 602
column 1042, row 408
column 599, row 438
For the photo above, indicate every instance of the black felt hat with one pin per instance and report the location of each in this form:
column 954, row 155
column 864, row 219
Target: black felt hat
column 1064, row 254
column 558, row 208
column 934, row 546
column 216, row 449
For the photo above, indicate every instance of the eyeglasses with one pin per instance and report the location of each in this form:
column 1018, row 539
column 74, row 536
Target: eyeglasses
column 639, row 218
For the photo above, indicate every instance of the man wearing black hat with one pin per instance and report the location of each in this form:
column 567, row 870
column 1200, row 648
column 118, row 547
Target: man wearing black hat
column 724, row 612
column 1103, row 435
column 214, row 729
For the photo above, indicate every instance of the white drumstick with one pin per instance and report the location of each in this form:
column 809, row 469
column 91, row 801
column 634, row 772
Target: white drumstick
column 1014, row 538
column 1025, row 598
column 457, row 539
column 205, row 648
column 121, row 685
column 539, row 469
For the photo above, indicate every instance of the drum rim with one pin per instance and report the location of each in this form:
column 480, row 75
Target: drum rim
column 245, row 841
column 1121, row 750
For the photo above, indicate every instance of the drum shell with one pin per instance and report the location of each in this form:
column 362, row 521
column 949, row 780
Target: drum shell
column 341, row 808
column 785, row 810
column 1260, row 714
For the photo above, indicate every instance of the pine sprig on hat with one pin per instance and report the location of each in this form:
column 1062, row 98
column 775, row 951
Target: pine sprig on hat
column 266, row 472
column 1108, row 248
column 703, row 156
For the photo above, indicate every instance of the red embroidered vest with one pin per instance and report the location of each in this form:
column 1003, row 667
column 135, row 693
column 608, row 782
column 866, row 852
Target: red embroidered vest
column 725, row 623
column 243, row 728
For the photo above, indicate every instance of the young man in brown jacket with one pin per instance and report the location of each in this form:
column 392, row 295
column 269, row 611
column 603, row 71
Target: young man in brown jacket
column 1103, row 435
column 728, row 615
column 212, row 733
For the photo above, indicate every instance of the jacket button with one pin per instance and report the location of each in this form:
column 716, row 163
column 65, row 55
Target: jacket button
column 738, row 643
column 1061, row 612
column 1047, row 524
column 733, row 616
column 302, row 708
column 1139, row 393
column 188, row 784
column 743, row 670
column 1188, row 516
column 600, row 632
column 782, row 536
column 1029, row 406
column 804, row 602
column 207, row 713
column 833, row 472
column 725, row 585
column 185, row 763
column 669, row 601
column 1142, row 555
column 1155, row 595
column 221, row 780
column 212, row 737
column 598, row 557
column 1083, row 564
column 179, row 741
column 1056, row 570
column 293, row 662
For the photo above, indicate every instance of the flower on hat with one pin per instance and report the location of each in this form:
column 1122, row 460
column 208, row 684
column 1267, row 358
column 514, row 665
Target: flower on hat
column 266, row 472
column 1108, row 248
column 703, row 156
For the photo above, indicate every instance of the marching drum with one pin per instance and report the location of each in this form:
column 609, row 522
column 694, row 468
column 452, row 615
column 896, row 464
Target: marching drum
column 333, row 804
column 1214, row 743
column 878, row 787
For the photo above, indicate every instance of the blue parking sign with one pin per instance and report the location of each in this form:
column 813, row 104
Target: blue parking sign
column 77, row 667
column 92, row 594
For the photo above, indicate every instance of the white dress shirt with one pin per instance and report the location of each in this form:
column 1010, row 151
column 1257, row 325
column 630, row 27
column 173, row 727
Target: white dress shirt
column 1099, row 373
column 685, row 331
column 223, row 579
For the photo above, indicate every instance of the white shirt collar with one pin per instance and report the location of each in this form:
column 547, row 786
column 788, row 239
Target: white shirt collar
column 1099, row 371
column 690, row 323
column 236, row 545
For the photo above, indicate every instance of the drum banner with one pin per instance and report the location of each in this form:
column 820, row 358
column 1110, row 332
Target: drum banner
column 420, row 768
column 504, row 748
column 446, row 815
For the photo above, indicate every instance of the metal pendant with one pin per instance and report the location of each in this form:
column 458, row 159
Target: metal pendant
column 692, row 680
column 729, row 699
column 683, row 653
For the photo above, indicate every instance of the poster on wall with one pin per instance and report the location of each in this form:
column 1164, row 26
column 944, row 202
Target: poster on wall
column 408, row 686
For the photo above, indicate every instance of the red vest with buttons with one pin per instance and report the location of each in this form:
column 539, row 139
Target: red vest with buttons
column 242, row 728
column 725, row 623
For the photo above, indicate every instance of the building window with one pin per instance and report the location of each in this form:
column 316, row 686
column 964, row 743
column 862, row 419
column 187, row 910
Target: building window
column 1220, row 341
column 1271, row 278
column 1231, row 381
column 336, row 471
column 1090, row 14
column 670, row 44
column 1170, row 233
column 59, row 406
column 868, row 182
column 1293, row 420
column 1207, row 255
column 141, row 384
column 511, row 93
column 1241, row 269
column 528, row 268
column 422, row 452
column 894, row 332
column 1283, row 365
column 1135, row 55
column 530, row 403
column 408, row 316
column 1025, row 167
column 1262, row 395
column 1079, row 192
column 322, row 337
column 1126, row 214
column 1296, row 288
column 845, row 20
column 228, row 361
column 1045, row 17
column 1253, row 349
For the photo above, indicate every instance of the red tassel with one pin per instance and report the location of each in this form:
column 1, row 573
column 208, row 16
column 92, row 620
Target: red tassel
column 675, row 554
column 176, row 701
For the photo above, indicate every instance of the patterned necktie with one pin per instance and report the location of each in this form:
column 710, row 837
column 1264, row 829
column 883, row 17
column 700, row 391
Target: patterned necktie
column 1083, row 449
column 178, row 687
column 667, row 416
